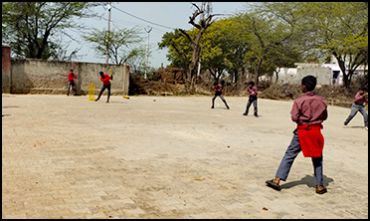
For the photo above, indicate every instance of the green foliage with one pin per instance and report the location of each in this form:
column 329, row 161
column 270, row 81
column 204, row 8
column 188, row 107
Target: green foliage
column 179, row 49
column 339, row 29
column 117, row 42
column 28, row 26
column 273, row 34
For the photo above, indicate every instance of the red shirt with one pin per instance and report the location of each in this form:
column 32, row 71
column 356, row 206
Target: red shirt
column 71, row 76
column 360, row 98
column 252, row 90
column 309, row 109
column 218, row 88
column 105, row 79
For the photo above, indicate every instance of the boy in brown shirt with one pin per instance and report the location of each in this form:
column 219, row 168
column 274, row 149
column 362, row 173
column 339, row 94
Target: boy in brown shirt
column 308, row 111
column 359, row 106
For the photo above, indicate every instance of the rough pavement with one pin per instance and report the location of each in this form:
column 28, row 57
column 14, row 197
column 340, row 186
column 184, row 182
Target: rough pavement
column 171, row 157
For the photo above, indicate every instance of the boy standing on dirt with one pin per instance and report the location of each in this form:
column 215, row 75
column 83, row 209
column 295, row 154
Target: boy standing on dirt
column 105, row 78
column 308, row 111
column 359, row 105
column 71, row 82
column 252, row 90
column 217, row 87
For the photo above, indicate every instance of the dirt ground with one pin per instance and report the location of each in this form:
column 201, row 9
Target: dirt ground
column 171, row 157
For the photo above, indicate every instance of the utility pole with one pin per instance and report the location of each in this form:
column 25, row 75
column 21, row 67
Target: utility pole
column 108, row 37
column 147, row 53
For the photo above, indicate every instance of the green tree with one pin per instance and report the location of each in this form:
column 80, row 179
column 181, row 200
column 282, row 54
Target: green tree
column 117, row 43
column 274, row 34
column 204, row 21
column 339, row 29
column 29, row 26
column 179, row 50
column 223, row 48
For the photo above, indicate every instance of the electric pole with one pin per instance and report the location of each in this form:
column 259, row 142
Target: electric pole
column 147, row 52
column 108, row 36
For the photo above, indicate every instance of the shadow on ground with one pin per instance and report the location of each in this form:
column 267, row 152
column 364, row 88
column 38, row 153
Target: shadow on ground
column 307, row 180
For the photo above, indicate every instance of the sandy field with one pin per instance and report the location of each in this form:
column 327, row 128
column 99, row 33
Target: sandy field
column 171, row 157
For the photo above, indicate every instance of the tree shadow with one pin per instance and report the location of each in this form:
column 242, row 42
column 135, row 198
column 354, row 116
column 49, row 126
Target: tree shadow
column 308, row 180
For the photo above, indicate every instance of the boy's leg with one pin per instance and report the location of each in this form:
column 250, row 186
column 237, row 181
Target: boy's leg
column 354, row 110
column 364, row 114
column 223, row 99
column 247, row 108
column 109, row 87
column 255, row 107
column 319, row 178
column 318, row 170
column 213, row 101
column 69, row 88
column 291, row 153
column 74, row 88
column 100, row 93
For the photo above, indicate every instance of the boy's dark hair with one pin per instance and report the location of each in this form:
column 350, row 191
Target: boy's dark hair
column 309, row 82
column 101, row 73
column 251, row 83
column 71, row 70
column 215, row 83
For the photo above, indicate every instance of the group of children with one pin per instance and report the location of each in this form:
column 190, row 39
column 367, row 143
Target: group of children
column 252, row 90
column 308, row 112
column 104, row 78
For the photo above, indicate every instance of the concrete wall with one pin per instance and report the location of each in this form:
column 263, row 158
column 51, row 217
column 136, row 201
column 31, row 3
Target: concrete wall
column 5, row 68
column 37, row 76
column 295, row 75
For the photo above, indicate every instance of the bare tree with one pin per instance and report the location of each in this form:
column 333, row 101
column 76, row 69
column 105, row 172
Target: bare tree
column 202, row 24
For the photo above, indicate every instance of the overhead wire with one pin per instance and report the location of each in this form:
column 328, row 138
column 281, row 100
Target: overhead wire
column 153, row 23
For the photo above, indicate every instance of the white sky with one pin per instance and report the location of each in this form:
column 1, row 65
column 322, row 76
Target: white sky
column 170, row 14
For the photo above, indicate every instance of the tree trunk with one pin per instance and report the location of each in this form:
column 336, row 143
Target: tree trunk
column 342, row 67
column 257, row 72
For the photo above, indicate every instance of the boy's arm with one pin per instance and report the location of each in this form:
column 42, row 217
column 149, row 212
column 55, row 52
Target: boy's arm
column 295, row 112
column 324, row 115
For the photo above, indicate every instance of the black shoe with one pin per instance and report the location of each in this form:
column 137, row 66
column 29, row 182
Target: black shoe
column 245, row 114
column 320, row 189
column 270, row 183
column 228, row 108
column 256, row 115
column 212, row 107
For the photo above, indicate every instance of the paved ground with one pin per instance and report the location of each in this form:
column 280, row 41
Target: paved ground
column 170, row 157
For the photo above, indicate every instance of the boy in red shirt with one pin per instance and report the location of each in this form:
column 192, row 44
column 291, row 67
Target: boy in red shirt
column 71, row 82
column 105, row 78
column 308, row 111
column 217, row 87
column 252, row 90
column 359, row 105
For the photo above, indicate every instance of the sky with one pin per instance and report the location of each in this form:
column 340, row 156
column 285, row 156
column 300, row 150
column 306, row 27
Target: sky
column 168, row 14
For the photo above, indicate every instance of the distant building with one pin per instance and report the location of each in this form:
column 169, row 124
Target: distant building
column 327, row 74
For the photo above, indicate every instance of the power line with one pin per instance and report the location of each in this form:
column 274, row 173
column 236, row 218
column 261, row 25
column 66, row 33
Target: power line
column 143, row 19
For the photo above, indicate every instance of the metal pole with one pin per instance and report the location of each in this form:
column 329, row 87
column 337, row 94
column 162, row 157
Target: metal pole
column 147, row 53
column 109, row 19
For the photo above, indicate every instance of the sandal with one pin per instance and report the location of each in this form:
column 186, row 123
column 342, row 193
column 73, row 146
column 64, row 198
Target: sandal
column 270, row 183
column 320, row 189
